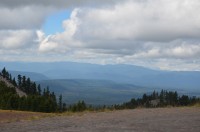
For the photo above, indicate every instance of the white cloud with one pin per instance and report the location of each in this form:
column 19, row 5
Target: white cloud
column 21, row 14
column 61, row 42
column 28, row 17
column 131, row 31
column 53, row 3
column 12, row 39
column 130, row 24
column 154, row 33
column 143, row 21
column 185, row 51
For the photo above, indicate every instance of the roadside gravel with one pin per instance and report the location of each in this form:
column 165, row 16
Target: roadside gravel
column 183, row 119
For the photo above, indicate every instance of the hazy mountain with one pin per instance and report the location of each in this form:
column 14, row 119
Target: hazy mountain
column 188, row 80
column 94, row 91
column 104, row 84
column 100, row 91
column 33, row 75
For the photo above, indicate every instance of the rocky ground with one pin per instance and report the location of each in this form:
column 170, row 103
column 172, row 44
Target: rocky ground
column 138, row 120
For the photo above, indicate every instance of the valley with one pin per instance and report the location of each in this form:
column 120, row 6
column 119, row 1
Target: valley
column 104, row 84
column 99, row 66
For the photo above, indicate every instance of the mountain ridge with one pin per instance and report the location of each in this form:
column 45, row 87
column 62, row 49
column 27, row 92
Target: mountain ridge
column 102, row 92
column 121, row 73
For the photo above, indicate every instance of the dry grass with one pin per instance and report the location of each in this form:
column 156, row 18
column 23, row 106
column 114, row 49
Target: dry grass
column 197, row 104
column 8, row 116
column 16, row 116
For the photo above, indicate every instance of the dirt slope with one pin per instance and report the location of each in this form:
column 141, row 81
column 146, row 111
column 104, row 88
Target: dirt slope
column 138, row 120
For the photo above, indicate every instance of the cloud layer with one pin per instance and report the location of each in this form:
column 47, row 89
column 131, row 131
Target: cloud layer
column 11, row 39
column 154, row 33
column 53, row 3
column 29, row 17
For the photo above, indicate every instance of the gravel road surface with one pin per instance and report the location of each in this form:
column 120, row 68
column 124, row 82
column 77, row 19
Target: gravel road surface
column 137, row 120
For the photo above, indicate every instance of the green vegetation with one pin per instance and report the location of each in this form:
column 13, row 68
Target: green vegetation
column 34, row 101
column 94, row 92
column 162, row 99
column 37, row 99
column 78, row 107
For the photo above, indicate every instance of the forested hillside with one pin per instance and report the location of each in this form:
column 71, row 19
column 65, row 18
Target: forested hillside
column 34, row 98
column 162, row 99
column 26, row 95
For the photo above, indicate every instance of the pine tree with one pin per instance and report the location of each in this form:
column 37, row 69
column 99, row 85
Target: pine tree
column 60, row 103
column 39, row 89
column 33, row 88
column 162, row 97
column 28, row 86
column 10, row 77
column 19, row 81
column 47, row 92
column 14, row 82
column 34, row 101
column 4, row 72
column 64, row 107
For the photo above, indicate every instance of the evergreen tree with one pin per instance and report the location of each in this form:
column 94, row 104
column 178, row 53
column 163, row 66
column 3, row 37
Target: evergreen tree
column 44, row 92
column 34, row 101
column 19, row 81
column 184, row 100
column 39, row 89
column 144, row 98
column 47, row 92
column 14, row 82
column 4, row 72
column 64, row 107
column 28, row 86
column 60, row 103
column 33, row 88
column 10, row 77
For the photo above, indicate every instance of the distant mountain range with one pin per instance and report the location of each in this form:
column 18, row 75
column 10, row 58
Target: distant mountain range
column 118, row 73
column 99, row 91
column 33, row 75
column 76, row 79
column 94, row 91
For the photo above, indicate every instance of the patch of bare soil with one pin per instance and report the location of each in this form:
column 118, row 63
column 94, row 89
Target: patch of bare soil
column 137, row 120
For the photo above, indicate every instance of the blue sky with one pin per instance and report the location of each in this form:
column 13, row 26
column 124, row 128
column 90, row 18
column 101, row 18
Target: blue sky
column 53, row 23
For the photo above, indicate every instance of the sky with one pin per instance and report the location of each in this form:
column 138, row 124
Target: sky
column 160, row 34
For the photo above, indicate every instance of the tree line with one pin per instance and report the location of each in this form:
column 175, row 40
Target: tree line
column 36, row 99
column 156, row 99
column 43, row 100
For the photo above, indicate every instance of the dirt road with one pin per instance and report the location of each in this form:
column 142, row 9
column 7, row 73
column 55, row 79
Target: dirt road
column 137, row 120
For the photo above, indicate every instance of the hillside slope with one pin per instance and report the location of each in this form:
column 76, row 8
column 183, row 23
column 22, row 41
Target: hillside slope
column 19, row 92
